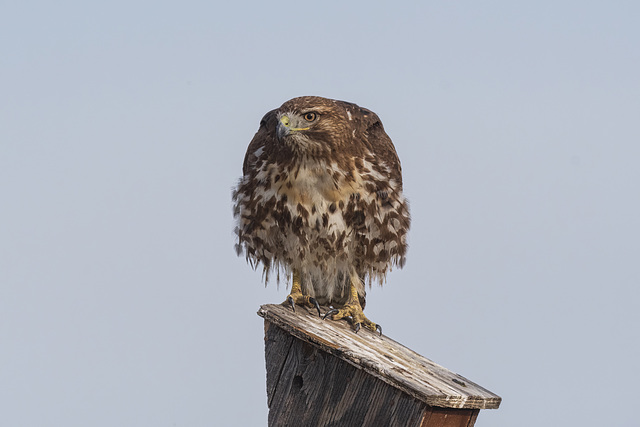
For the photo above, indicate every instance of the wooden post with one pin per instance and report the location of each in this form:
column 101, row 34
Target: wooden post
column 321, row 373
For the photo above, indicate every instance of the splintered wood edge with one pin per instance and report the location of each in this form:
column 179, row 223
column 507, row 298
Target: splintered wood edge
column 462, row 400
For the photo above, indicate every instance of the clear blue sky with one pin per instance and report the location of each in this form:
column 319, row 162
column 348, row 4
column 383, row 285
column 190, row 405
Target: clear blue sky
column 123, row 127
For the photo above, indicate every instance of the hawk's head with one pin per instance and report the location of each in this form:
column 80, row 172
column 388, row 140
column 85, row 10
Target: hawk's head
column 311, row 124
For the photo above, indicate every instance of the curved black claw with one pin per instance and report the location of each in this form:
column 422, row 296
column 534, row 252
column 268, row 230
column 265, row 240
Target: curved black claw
column 357, row 327
column 313, row 301
column 379, row 328
column 293, row 304
column 330, row 313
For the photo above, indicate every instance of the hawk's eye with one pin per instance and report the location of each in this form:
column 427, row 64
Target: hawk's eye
column 310, row 117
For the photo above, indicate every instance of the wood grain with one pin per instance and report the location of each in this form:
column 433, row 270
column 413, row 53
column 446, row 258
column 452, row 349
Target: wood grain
column 310, row 387
column 371, row 357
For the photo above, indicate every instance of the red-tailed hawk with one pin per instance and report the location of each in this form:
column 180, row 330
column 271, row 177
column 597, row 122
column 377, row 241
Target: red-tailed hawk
column 321, row 200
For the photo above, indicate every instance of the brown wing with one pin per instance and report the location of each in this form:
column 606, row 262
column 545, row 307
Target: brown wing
column 264, row 137
column 376, row 140
column 381, row 146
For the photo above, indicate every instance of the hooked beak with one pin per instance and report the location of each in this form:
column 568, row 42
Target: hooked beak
column 285, row 128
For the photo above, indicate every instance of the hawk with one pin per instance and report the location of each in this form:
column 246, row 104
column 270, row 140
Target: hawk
column 321, row 201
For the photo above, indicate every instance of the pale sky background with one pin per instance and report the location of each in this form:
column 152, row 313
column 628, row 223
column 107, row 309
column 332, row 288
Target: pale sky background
column 123, row 127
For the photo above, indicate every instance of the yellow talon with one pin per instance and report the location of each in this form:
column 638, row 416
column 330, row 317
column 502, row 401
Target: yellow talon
column 353, row 309
column 297, row 297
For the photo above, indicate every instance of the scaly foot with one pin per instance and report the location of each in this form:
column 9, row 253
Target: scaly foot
column 300, row 299
column 352, row 310
column 354, row 313
column 297, row 297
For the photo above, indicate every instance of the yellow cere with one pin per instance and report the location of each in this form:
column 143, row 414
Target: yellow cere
column 285, row 121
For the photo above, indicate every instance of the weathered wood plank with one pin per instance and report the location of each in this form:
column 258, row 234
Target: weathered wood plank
column 276, row 348
column 311, row 387
column 378, row 356
column 446, row 417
